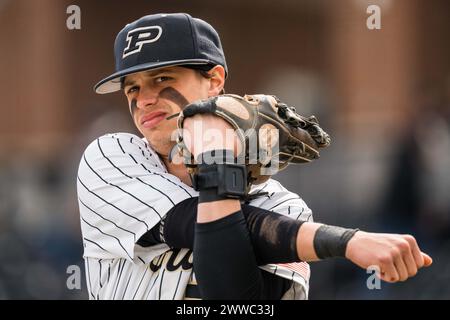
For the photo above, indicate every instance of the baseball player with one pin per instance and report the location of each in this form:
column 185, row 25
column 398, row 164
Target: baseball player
column 138, row 208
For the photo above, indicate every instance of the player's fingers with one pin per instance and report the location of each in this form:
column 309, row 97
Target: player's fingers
column 400, row 266
column 388, row 272
column 427, row 259
column 418, row 258
column 410, row 263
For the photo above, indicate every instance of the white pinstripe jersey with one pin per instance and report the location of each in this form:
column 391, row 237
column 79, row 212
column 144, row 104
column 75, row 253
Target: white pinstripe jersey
column 124, row 190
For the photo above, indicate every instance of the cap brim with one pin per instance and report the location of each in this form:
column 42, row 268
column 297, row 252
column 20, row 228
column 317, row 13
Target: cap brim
column 113, row 82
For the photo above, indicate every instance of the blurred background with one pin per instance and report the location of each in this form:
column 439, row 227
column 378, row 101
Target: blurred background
column 383, row 95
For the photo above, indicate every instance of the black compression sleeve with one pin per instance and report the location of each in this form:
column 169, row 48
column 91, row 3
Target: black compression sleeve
column 234, row 273
column 273, row 236
column 179, row 227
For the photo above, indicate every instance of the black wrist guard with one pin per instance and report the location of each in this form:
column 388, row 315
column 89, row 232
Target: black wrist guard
column 219, row 177
column 331, row 241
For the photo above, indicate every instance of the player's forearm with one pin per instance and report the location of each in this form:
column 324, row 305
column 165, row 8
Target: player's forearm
column 275, row 238
column 211, row 206
column 305, row 241
column 317, row 241
column 215, row 210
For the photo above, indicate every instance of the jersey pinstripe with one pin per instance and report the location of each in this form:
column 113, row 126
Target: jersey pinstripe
column 123, row 191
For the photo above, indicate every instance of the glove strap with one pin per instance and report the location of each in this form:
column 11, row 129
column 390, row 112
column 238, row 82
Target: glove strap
column 220, row 179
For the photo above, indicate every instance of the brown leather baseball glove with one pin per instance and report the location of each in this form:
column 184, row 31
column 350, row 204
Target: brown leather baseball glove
column 272, row 134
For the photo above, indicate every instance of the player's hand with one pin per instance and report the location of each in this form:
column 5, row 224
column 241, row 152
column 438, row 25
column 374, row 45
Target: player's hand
column 206, row 132
column 397, row 256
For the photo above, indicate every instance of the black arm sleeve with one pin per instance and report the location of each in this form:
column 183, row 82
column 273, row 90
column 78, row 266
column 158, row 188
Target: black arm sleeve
column 273, row 236
column 235, row 244
column 224, row 263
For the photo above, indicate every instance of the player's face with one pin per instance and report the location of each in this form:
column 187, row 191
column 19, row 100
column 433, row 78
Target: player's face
column 157, row 94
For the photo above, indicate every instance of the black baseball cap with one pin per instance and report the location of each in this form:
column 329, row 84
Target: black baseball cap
column 162, row 40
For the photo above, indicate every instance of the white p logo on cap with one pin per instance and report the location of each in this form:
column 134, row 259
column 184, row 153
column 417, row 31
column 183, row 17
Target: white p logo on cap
column 136, row 38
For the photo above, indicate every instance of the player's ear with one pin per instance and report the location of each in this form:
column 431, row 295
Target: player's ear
column 216, row 81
